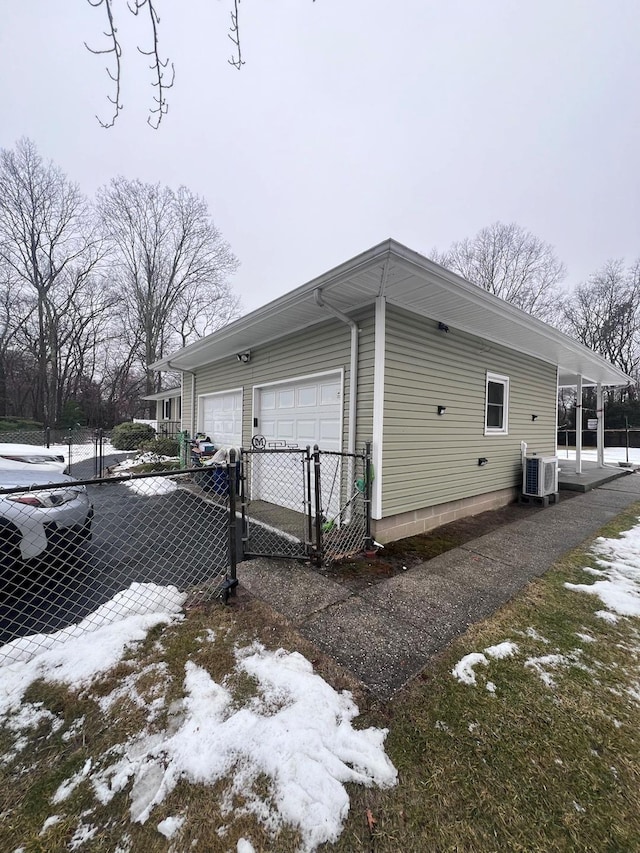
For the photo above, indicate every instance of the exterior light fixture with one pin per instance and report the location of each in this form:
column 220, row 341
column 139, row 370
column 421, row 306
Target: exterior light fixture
column 483, row 461
column 534, row 417
column 443, row 327
column 442, row 410
column 244, row 357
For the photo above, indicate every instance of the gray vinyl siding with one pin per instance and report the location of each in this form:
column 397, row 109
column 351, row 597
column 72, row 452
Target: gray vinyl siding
column 318, row 349
column 430, row 459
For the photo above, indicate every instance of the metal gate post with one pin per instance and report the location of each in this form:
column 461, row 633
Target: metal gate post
column 316, row 556
column 231, row 580
column 367, row 496
column 307, row 497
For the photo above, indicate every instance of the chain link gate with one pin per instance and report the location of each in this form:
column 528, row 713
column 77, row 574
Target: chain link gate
column 303, row 504
column 77, row 554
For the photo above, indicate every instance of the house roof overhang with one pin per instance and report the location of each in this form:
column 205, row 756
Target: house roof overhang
column 410, row 281
column 163, row 395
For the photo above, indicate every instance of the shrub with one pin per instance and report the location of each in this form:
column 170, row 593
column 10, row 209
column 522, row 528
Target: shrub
column 11, row 424
column 131, row 436
column 162, row 446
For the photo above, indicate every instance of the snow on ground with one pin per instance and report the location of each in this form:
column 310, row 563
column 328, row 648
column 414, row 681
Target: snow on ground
column 76, row 654
column 296, row 730
column 616, row 583
column 618, row 578
column 612, row 455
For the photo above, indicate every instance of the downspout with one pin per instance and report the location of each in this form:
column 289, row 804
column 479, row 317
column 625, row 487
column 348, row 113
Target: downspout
column 192, row 418
column 353, row 368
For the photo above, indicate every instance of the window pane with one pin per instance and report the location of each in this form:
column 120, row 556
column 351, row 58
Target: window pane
column 495, row 393
column 494, row 416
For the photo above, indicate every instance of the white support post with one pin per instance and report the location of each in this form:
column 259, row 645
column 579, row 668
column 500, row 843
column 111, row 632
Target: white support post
column 600, row 432
column 579, row 426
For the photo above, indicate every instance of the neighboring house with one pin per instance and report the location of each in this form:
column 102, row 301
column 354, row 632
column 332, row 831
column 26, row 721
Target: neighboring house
column 168, row 412
column 392, row 348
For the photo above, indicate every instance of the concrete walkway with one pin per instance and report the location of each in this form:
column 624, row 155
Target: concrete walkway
column 386, row 634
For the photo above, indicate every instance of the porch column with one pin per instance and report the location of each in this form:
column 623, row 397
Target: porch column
column 579, row 425
column 600, row 431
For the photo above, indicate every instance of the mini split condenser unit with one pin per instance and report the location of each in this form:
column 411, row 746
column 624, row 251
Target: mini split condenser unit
column 540, row 475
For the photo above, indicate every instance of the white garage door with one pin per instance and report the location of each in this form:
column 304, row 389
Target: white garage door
column 302, row 413
column 295, row 414
column 221, row 418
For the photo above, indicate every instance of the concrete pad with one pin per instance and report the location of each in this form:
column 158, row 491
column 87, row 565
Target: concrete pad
column 477, row 572
column 440, row 606
column 380, row 650
column 291, row 588
column 629, row 484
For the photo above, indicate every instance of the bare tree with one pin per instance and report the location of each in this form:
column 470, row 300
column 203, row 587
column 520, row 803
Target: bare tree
column 162, row 70
column 47, row 242
column 170, row 268
column 512, row 263
column 604, row 314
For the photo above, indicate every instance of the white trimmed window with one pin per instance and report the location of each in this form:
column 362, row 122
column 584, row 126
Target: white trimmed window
column 496, row 410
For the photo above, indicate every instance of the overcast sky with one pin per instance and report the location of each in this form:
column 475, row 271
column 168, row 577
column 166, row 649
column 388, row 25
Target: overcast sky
column 352, row 121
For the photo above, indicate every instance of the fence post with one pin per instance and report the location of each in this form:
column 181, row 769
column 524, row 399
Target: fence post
column 183, row 444
column 231, row 580
column 368, row 543
column 307, row 499
column 626, row 429
column 316, row 554
column 47, row 436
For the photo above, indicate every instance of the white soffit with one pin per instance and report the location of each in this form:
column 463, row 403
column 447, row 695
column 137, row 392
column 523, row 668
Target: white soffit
column 416, row 284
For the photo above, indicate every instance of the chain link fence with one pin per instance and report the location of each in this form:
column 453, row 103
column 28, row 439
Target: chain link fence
column 305, row 505
column 345, row 504
column 71, row 551
column 75, row 550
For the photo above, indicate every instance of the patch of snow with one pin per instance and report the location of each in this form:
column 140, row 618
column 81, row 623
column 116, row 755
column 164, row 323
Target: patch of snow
column 297, row 732
column 502, row 650
column 49, row 822
column 84, row 832
column 540, row 665
column 586, row 638
column 533, row 634
column 244, row 846
column 607, row 616
column 619, row 573
column 464, row 669
column 152, row 486
column 74, row 729
column 66, row 788
column 77, row 654
column 441, row 726
column 170, row 825
column 490, row 687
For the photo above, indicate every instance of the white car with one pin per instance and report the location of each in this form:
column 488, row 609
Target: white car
column 51, row 509
column 29, row 457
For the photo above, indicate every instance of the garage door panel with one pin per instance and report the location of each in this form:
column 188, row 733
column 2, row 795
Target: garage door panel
column 221, row 418
column 307, row 396
column 329, row 393
column 297, row 414
column 329, row 430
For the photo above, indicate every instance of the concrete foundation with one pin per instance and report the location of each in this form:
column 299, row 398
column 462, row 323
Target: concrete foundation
column 422, row 520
